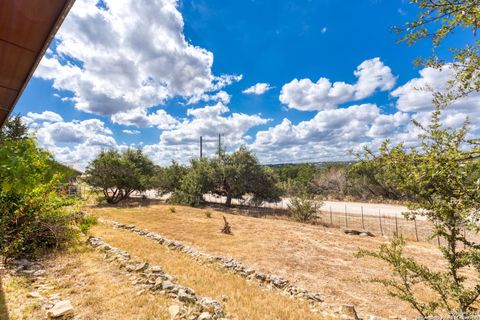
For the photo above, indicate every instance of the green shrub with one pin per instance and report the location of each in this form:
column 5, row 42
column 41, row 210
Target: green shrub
column 303, row 209
column 34, row 216
column 208, row 214
column 85, row 222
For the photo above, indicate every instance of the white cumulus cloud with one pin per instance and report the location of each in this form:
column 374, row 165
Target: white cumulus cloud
column 306, row 95
column 258, row 89
column 45, row 116
column 128, row 55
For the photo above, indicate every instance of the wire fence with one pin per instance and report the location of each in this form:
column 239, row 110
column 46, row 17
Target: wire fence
column 381, row 220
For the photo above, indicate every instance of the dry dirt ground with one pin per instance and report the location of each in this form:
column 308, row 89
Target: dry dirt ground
column 314, row 257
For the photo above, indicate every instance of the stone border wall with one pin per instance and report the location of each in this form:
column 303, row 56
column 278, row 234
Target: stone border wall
column 271, row 281
column 153, row 278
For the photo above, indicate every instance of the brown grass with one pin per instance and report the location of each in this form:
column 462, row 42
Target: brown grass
column 97, row 290
column 245, row 300
column 317, row 258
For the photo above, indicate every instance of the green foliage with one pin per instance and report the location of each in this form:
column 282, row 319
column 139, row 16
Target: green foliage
column 231, row 175
column 296, row 179
column 120, row 174
column 168, row 179
column 437, row 19
column 437, row 176
column 34, row 216
column 85, row 222
column 239, row 174
column 369, row 179
column 14, row 129
column 208, row 214
column 194, row 184
column 303, row 208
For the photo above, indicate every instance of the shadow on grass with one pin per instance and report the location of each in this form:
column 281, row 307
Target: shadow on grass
column 3, row 303
column 257, row 212
column 131, row 203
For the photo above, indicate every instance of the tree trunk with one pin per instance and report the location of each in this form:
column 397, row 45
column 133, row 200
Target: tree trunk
column 229, row 200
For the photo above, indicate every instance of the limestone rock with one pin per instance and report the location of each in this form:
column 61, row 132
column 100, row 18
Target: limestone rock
column 34, row 294
column 167, row 285
column 61, row 309
column 204, row 316
column 174, row 310
column 142, row 266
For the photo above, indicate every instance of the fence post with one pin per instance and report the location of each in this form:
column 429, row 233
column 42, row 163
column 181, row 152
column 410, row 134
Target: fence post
column 396, row 225
column 363, row 223
column 346, row 218
column 331, row 220
column 416, row 231
column 380, row 219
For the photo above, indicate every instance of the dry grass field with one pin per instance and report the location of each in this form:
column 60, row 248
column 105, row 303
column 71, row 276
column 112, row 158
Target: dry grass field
column 314, row 257
column 97, row 290
column 244, row 300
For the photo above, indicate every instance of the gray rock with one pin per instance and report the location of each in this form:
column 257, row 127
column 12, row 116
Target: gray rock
column 61, row 309
column 174, row 310
column 21, row 262
column 278, row 281
column 204, row 316
column 34, row 294
column 167, row 285
column 185, row 297
column 141, row 266
column 260, row 276
column 156, row 269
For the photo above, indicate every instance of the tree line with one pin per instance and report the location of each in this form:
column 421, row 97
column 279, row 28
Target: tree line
column 234, row 175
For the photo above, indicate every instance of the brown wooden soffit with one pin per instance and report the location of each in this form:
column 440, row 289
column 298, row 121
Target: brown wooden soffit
column 26, row 29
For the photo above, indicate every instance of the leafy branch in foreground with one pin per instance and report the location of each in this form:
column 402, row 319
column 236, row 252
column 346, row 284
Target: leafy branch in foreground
column 442, row 178
column 437, row 20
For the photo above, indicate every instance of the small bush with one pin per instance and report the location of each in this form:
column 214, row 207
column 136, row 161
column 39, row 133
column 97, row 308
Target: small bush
column 172, row 209
column 303, row 209
column 208, row 214
column 86, row 222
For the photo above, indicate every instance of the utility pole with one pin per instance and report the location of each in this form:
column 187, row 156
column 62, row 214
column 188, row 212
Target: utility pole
column 201, row 147
column 219, row 145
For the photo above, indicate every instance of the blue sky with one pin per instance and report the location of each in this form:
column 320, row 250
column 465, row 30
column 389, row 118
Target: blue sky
column 158, row 74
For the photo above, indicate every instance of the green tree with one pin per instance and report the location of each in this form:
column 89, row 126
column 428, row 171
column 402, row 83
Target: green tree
column 297, row 179
column 197, row 181
column 13, row 129
column 437, row 177
column 168, row 179
column 240, row 173
column 436, row 20
column 120, row 174
column 137, row 172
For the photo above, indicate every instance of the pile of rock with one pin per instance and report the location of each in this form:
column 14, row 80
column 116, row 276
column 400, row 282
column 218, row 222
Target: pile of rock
column 153, row 278
column 54, row 306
